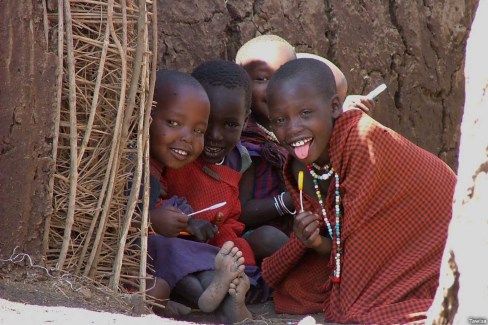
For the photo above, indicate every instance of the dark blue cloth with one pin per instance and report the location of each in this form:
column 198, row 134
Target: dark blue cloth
column 174, row 258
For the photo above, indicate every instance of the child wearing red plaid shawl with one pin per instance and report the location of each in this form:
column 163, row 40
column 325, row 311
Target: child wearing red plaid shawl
column 368, row 245
column 266, row 205
column 196, row 271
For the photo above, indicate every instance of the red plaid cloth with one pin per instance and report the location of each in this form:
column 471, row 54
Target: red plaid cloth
column 204, row 185
column 397, row 204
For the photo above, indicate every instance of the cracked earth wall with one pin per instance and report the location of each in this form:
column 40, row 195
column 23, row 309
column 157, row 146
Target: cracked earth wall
column 415, row 47
column 27, row 94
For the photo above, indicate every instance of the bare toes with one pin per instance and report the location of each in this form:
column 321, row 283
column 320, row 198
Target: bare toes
column 240, row 261
column 227, row 247
column 234, row 251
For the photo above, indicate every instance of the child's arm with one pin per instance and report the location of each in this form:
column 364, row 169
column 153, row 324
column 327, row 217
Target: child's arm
column 258, row 211
column 276, row 267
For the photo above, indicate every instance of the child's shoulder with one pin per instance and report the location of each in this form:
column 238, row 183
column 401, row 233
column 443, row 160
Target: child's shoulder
column 239, row 158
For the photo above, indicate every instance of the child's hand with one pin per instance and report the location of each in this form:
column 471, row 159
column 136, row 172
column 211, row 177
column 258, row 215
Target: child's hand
column 306, row 228
column 357, row 101
column 202, row 230
column 168, row 221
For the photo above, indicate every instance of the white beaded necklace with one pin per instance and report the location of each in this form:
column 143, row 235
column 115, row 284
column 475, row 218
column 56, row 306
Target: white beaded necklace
column 327, row 173
column 270, row 135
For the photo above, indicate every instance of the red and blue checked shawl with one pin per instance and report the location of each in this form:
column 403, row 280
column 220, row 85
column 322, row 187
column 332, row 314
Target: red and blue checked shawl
column 268, row 158
column 397, row 203
column 268, row 180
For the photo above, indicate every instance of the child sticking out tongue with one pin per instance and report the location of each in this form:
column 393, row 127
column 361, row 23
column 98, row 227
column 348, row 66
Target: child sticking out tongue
column 302, row 151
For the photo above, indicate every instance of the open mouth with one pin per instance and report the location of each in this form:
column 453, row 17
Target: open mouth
column 213, row 152
column 180, row 154
column 301, row 147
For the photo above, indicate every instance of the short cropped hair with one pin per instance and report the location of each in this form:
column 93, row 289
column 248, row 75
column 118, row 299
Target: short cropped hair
column 222, row 73
column 172, row 79
column 314, row 72
column 244, row 52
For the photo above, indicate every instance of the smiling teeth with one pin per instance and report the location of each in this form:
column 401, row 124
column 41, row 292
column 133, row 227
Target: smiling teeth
column 301, row 142
column 212, row 149
column 181, row 152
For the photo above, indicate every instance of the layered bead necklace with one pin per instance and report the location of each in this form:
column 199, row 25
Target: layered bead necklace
column 326, row 173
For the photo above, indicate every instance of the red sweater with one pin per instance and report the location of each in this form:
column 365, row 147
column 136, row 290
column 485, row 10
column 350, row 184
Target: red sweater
column 206, row 184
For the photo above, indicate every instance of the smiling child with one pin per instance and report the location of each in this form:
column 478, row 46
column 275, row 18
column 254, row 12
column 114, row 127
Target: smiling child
column 368, row 246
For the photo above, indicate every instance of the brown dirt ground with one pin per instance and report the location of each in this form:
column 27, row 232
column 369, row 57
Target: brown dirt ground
column 34, row 286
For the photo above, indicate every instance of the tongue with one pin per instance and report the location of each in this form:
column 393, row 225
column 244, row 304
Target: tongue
column 302, row 151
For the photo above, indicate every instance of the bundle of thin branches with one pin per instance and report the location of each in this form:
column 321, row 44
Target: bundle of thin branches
column 105, row 85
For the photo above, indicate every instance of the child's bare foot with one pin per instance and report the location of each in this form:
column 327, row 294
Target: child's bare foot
column 229, row 264
column 238, row 296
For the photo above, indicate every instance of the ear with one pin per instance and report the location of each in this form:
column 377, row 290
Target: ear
column 336, row 106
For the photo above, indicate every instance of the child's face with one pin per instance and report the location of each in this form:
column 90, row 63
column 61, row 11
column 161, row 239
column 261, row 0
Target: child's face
column 228, row 117
column 302, row 119
column 178, row 127
column 260, row 68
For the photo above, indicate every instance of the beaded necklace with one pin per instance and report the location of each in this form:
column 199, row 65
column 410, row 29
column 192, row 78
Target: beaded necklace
column 269, row 135
column 327, row 173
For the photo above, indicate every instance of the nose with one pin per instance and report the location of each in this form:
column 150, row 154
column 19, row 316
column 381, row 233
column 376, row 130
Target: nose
column 295, row 125
column 214, row 134
column 186, row 135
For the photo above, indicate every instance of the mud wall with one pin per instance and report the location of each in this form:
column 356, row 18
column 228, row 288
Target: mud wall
column 27, row 94
column 416, row 47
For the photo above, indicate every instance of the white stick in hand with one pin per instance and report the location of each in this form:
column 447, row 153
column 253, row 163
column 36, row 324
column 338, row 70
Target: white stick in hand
column 375, row 92
column 213, row 207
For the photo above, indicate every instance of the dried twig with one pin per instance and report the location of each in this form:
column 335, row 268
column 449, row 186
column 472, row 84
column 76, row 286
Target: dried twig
column 103, row 67
column 73, row 137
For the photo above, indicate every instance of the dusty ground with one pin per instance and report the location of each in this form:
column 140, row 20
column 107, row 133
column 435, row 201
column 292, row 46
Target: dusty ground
column 31, row 295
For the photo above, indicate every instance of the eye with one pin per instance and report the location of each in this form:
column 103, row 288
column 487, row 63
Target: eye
column 232, row 124
column 261, row 79
column 278, row 121
column 199, row 131
column 172, row 123
column 306, row 112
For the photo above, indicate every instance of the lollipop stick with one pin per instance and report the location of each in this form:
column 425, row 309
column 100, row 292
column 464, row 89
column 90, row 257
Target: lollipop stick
column 300, row 188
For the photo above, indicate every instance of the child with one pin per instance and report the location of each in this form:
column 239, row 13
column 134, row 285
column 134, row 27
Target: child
column 385, row 203
column 180, row 120
column 266, row 206
column 215, row 175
